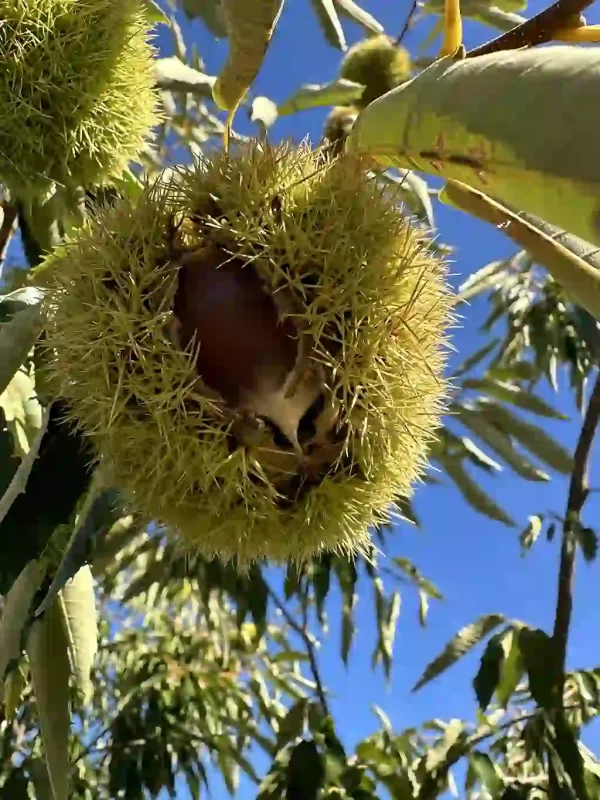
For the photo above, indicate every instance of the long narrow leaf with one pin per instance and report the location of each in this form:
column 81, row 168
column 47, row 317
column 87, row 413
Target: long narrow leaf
column 464, row 641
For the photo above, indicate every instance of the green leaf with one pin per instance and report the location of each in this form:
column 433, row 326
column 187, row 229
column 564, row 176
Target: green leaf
column 416, row 577
column 486, row 772
column 330, row 23
column 513, row 394
column 489, row 277
column 49, row 666
column 285, row 656
column 478, row 457
column 530, row 535
column 473, row 494
column 251, row 24
column 305, row 772
column 497, row 18
column 533, row 438
column 154, row 12
column 475, row 359
column 22, row 411
column 292, row 725
column 481, row 121
column 17, row 337
column 15, row 612
column 500, row 442
column 14, row 685
column 79, row 608
column 588, row 542
column 173, row 75
column 538, row 657
column 357, row 14
column 512, row 668
column 339, row 92
column 211, row 12
column 464, row 641
column 488, row 675
column 415, row 193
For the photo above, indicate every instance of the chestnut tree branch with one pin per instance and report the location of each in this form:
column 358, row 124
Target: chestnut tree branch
column 539, row 29
column 578, row 494
column 302, row 631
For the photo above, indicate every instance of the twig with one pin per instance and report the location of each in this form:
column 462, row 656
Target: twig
column 578, row 493
column 19, row 482
column 537, row 30
column 408, row 22
column 302, row 632
column 8, row 223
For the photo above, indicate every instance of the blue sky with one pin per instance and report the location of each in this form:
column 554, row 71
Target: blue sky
column 475, row 562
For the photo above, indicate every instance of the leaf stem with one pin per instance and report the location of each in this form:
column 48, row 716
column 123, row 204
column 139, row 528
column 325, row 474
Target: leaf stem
column 539, row 29
column 302, row 631
column 578, row 493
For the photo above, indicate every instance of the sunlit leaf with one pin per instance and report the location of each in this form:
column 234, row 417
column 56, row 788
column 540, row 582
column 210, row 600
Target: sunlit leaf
column 483, row 766
column 174, row 76
column 512, row 668
column 513, row 394
column 500, row 442
column 251, row 24
column 473, row 494
column 154, row 12
column 339, row 92
column 357, row 14
column 17, row 337
column 330, row 23
column 530, row 534
column 49, row 666
column 79, row 606
column 489, row 135
column 464, row 641
column 533, row 438
column 15, row 611
column 415, row 576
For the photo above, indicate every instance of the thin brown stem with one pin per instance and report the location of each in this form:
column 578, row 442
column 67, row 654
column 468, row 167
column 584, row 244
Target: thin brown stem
column 408, row 22
column 302, row 631
column 539, row 29
column 578, row 493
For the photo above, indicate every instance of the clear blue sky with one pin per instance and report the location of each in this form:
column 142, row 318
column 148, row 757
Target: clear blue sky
column 475, row 562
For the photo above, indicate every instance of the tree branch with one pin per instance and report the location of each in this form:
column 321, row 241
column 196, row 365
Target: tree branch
column 578, row 493
column 537, row 30
column 408, row 22
column 302, row 632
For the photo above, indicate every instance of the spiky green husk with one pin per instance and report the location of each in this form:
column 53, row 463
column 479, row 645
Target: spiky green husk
column 371, row 296
column 76, row 91
column 379, row 64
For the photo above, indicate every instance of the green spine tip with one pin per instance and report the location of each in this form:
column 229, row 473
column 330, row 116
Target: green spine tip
column 76, row 91
column 256, row 349
column 379, row 64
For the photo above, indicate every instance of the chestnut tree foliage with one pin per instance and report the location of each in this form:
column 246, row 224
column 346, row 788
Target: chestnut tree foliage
column 187, row 668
